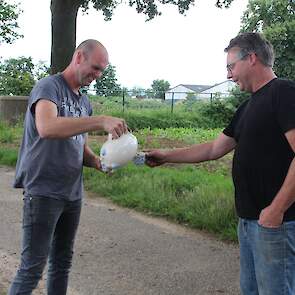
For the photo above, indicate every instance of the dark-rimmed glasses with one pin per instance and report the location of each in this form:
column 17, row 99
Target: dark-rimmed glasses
column 231, row 65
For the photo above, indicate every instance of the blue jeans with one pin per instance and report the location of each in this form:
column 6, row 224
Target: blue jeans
column 267, row 258
column 49, row 229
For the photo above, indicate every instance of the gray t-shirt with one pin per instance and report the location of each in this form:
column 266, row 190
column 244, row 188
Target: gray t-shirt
column 52, row 167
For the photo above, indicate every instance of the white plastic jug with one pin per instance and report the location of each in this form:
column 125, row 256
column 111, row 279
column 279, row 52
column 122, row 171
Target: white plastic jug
column 115, row 153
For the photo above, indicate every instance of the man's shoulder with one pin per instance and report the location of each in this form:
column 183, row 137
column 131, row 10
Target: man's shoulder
column 52, row 79
column 47, row 88
column 243, row 105
column 281, row 82
column 283, row 88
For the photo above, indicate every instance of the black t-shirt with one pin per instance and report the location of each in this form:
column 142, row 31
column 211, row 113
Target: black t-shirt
column 263, row 155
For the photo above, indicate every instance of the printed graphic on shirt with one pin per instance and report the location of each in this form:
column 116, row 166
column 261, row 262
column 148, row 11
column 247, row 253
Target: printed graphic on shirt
column 72, row 108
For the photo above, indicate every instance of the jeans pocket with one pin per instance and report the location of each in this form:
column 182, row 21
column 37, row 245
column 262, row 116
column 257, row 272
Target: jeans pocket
column 271, row 234
column 270, row 229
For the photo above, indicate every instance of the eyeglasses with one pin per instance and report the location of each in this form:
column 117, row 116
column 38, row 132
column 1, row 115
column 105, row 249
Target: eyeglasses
column 231, row 65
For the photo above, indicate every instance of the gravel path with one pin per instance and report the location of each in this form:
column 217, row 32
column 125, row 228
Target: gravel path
column 121, row 252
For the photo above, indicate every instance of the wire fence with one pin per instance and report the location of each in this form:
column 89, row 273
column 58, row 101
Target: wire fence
column 157, row 99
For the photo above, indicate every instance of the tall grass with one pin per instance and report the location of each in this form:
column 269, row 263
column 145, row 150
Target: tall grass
column 10, row 133
column 187, row 135
column 9, row 141
column 8, row 156
column 188, row 195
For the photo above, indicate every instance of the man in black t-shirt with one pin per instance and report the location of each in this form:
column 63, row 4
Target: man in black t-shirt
column 262, row 133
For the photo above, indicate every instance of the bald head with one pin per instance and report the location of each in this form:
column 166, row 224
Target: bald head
column 88, row 46
column 88, row 63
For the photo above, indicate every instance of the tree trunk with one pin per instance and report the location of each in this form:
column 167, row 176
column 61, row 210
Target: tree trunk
column 63, row 32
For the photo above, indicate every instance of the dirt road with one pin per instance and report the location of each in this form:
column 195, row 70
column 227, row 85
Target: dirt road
column 120, row 252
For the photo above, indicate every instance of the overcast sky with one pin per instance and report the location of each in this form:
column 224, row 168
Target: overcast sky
column 180, row 49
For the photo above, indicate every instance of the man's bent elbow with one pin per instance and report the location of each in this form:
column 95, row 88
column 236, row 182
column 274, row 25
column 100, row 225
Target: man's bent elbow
column 45, row 133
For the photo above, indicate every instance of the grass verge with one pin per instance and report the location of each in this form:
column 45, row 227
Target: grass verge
column 198, row 196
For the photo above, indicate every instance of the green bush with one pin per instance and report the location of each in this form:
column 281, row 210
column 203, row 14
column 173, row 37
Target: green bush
column 218, row 113
column 152, row 113
column 161, row 119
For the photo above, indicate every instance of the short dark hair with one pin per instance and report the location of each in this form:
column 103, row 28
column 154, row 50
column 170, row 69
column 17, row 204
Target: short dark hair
column 253, row 42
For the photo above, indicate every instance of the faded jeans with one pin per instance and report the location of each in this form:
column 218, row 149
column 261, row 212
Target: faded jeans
column 49, row 229
column 267, row 258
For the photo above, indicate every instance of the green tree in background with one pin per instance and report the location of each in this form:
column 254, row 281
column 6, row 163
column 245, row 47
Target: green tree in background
column 276, row 20
column 237, row 97
column 41, row 70
column 18, row 75
column 8, row 22
column 64, row 17
column 190, row 101
column 159, row 88
column 107, row 85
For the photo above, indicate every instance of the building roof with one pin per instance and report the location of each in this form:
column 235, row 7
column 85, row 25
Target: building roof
column 230, row 84
column 195, row 88
column 217, row 84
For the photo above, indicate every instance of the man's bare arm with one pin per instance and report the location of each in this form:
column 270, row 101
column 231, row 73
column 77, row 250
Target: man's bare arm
column 272, row 216
column 222, row 145
column 49, row 125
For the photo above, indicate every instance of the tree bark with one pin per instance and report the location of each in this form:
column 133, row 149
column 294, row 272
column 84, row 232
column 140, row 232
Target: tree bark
column 63, row 32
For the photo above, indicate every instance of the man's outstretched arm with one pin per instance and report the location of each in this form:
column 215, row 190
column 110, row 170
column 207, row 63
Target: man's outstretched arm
column 196, row 153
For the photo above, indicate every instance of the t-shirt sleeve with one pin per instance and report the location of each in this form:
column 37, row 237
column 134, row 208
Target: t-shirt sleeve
column 44, row 89
column 231, row 127
column 284, row 106
column 90, row 109
column 229, row 130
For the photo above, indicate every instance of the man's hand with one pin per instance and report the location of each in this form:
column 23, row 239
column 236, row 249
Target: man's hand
column 271, row 217
column 96, row 163
column 155, row 158
column 114, row 125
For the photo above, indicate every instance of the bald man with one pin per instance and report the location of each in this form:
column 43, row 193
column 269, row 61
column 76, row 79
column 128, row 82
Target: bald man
column 49, row 168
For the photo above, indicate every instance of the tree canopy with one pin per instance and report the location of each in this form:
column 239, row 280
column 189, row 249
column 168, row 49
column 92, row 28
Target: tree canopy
column 107, row 85
column 276, row 20
column 18, row 75
column 64, row 16
column 8, row 22
column 159, row 88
